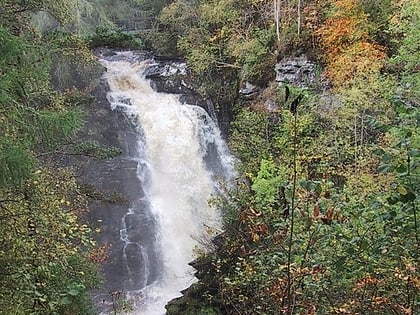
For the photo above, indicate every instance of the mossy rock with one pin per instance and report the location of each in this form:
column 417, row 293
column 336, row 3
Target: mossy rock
column 193, row 302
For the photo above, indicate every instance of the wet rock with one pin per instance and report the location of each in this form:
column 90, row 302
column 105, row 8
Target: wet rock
column 174, row 77
column 191, row 303
column 166, row 69
column 170, row 77
column 193, row 99
column 116, row 177
column 194, row 301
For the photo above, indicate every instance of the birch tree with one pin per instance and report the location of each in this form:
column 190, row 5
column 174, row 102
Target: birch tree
column 276, row 6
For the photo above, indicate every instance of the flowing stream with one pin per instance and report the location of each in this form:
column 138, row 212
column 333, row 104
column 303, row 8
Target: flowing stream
column 181, row 159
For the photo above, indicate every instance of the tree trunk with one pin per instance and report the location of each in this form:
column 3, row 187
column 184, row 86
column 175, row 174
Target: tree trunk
column 277, row 17
column 299, row 7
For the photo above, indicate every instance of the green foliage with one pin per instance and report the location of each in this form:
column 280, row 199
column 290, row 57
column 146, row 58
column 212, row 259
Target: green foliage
column 152, row 5
column 405, row 27
column 54, row 128
column 254, row 55
column 87, row 15
column 24, row 73
column 266, row 184
column 249, row 137
column 350, row 175
column 43, row 246
column 16, row 14
column 33, row 117
column 95, row 150
column 355, row 241
column 379, row 14
column 351, row 243
column 44, row 243
column 217, row 35
column 15, row 163
column 115, row 38
column 402, row 158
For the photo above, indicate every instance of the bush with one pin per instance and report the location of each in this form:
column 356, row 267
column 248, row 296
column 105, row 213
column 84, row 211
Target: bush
column 115, row 38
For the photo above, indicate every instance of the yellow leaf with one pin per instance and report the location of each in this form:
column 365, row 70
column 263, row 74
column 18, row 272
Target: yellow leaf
column 402, row 190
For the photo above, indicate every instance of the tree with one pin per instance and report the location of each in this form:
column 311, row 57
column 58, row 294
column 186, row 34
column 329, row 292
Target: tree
column 276, row 9
column 33, row 116
column 350, row 173
column 221, row 35
column 16, row 14
column 348, row 49
column 44, row 243
column 405, row 28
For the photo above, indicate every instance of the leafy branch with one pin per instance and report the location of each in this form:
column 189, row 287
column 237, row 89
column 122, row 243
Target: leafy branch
column 88, row 149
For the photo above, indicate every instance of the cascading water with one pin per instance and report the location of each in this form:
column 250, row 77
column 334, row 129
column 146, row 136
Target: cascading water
column 180, row 159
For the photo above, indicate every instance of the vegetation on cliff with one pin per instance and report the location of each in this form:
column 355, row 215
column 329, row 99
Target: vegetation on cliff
column 47, row 254
column 323, row 219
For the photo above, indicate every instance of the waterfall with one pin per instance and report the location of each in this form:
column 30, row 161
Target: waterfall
column 181, row 159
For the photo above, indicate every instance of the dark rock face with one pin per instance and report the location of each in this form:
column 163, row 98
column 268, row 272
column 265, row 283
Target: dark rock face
column 189, row 303
column 194, row 301
column 296, row 71
column 248, row 91
column 170, row 77
column 67, row 73
column 116, row 181
column 125, row 222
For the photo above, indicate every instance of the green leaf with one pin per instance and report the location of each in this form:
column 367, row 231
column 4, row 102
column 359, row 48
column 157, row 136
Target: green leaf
column 402, row 190
column 385, row 168
column 42, row 299
column 393, row 199
column 73, row 292
column 401, row 169
column 65, row 301
column 408, row 197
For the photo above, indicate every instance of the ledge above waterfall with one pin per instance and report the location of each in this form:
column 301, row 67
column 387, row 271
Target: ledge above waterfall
column 298, row 71
column 169, row 77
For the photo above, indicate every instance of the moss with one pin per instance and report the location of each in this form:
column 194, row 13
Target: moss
column 194, row 301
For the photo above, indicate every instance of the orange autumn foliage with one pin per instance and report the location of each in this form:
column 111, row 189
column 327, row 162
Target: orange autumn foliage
column 359, row 60
column 347, row 47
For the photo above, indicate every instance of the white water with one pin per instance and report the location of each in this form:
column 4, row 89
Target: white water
column 175, row 140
